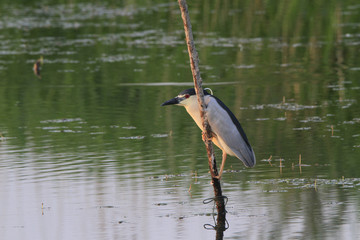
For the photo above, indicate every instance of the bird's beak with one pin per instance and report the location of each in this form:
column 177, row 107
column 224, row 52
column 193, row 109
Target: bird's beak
column 175, row 100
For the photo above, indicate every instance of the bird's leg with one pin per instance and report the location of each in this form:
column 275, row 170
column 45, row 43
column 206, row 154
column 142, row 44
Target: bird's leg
column 222, row 165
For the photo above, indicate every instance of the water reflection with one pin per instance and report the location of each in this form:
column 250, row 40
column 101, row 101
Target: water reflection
column 87, row 153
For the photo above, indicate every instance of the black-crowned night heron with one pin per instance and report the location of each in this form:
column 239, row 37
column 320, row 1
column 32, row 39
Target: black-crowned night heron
column 227, row 132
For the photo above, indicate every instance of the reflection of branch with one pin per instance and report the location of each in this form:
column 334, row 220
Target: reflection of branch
column 339, row 54
column 194, row 63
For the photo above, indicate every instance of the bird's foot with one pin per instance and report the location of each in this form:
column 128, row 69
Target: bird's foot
column 218, row 177
column 203, row 137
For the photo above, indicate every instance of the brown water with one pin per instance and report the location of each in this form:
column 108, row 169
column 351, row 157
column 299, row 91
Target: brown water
column 86, row 151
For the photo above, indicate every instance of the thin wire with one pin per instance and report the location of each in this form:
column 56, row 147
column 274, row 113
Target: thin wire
column 209, row 200
column 208, row 226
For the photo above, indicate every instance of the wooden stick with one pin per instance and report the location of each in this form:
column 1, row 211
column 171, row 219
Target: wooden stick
column 269, row 160
column 194, row 64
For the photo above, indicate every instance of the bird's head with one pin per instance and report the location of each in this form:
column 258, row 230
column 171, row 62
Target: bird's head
column 184, row 98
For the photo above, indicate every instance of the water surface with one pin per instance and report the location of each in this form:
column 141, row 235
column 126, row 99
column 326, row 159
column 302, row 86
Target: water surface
column 86, row 151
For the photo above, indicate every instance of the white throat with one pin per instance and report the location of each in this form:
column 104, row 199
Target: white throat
column 192, row 107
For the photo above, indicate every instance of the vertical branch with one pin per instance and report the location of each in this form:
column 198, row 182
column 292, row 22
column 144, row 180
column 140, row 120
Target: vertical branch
column 194, row 63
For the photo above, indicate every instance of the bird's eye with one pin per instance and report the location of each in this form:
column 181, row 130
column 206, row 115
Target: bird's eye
column 187, row 95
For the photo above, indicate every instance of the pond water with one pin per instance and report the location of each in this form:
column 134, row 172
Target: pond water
column 86, row 151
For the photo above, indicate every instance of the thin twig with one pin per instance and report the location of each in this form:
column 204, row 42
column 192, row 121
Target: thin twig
column 207, row 134
column 269, row 160
column 194, row 63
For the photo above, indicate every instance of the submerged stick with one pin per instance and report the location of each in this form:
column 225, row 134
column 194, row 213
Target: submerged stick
column 194, row 63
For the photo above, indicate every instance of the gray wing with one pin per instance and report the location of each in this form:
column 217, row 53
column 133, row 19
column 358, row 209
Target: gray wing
column 230, row 135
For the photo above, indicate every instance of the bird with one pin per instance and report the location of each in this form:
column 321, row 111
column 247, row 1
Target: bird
column 227, row 133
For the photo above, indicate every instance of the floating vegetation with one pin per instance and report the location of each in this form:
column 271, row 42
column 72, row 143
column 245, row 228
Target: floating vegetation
column 346, row 103
column 306, row 183
column 291, row 106
column 129, row 127
column 355, row 69
column 161, row 204
column 53, row 128
column 159, row 135
column 63, row 120
column 132, row 137
column 312, row 119
column 351, row 121
column 117, row 58
column 97, row 133
column 283, row 106
column 262, row 119
column 65, row 70
column 244, row 66
column 302, row 129
column 62, row 125
column 280, row 119
column 108, row 206
column 336, row 87
column 65, row 131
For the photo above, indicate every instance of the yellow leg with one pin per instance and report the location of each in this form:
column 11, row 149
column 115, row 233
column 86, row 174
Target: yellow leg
column 223, row 159
column 222, row 164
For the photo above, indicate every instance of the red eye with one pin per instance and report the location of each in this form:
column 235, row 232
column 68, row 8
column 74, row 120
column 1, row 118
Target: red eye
column 187, row 96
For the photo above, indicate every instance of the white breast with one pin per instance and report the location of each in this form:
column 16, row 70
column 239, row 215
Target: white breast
column 192, row 107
